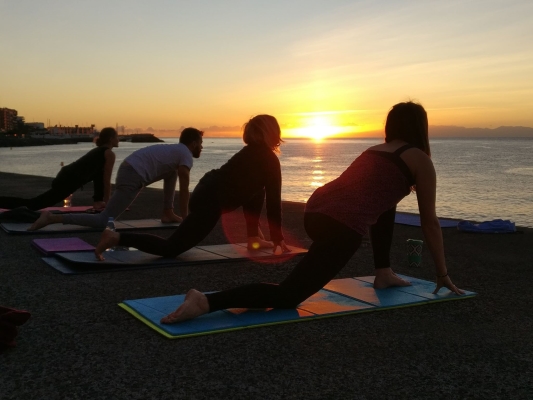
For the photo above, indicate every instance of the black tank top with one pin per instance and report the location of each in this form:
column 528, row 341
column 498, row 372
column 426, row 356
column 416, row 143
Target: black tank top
column 396, row 159
column 84, row 169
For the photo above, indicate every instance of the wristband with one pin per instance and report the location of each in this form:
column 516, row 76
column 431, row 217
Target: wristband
column 442, row 276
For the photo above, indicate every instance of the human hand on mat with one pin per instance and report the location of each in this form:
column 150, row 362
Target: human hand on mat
column 283, row 247
column 445, row 281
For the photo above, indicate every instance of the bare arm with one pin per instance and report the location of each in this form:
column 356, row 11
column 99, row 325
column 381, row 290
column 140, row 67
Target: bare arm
column 184, row 178
column 426, row 188
column 108, row 170
column 169, row 187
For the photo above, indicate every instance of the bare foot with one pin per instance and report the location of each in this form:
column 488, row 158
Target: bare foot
column 256, row 243
column 107, row 240
column 169, row 220
column 386, row 278
column 195, row 304
column 44, row 219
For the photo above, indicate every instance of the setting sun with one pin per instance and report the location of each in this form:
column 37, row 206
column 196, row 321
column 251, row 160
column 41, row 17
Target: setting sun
column 318, row 126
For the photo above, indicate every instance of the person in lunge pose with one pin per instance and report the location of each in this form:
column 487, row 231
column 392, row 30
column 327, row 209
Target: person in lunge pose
column 96, row 166
column 166, row 162
column 338, row 214
column 251, row 174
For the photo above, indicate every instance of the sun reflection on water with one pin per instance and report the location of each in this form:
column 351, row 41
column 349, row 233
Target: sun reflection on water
column 317, row 172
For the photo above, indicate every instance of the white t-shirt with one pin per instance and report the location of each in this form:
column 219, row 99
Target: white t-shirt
column 156, row 162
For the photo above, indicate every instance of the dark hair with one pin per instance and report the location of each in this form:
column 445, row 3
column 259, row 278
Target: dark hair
column 189, row 135
column 262, row 129
column 408, row 122
column 105, row 136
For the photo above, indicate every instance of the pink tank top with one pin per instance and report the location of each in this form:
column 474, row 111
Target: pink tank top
column 375, row 182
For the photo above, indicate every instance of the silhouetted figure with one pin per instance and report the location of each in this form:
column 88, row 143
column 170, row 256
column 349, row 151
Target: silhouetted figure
column 166, row 162
column 250, row 175
column 338, row 215
column 96, row 166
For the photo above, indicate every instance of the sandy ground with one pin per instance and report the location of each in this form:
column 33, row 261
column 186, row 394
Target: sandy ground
column 79, row 344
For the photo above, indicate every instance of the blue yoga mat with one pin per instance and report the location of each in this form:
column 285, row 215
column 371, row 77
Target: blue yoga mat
column 494, row 226
column 339, row 297
column 414, row 220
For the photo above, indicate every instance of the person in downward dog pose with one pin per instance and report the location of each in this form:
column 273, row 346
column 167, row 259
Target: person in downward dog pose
column 245, row 180
column 338, row 214
column 96, row 165
column 166, row 162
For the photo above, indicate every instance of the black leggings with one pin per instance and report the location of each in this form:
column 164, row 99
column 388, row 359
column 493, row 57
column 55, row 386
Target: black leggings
column 333, row 246
column 204, row 214
column 381, row 237
column 49, row 198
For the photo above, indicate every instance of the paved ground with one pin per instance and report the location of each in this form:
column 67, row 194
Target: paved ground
column 79, row 344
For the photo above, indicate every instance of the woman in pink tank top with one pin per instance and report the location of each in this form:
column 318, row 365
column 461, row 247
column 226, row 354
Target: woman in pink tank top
column 363, row 198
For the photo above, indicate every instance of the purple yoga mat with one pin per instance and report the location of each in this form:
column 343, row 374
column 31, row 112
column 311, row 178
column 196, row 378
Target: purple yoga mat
column 55, row 245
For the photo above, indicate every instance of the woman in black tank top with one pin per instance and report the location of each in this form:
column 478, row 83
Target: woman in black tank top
column 95, row 166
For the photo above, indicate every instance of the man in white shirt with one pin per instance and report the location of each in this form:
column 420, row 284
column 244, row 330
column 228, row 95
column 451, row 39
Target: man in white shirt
column 167, row 162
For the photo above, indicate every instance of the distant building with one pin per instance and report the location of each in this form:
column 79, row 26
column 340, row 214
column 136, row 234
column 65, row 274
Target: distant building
column 35, row 125
column 20, row 122
column 8, row 119
column 71, row 130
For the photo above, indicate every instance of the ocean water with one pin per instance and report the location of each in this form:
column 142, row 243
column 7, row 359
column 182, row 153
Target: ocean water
column 477, row 179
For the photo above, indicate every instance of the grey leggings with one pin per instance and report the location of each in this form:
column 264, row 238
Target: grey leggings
column 128, row 185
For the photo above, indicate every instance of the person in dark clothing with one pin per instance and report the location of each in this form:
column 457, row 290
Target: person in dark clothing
column 338, row 214
column 95, row 166
column 249, row 177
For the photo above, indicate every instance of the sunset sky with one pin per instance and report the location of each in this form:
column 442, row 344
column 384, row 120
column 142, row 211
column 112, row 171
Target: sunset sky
column 321, row 67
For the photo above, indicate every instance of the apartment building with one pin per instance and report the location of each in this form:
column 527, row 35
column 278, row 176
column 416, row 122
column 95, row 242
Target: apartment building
column 8, row 119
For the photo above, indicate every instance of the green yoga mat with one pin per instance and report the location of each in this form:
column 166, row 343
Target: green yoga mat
column 338, row 298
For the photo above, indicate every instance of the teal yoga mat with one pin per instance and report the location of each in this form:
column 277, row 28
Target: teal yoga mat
column 340, row 297
column 82, row 262
column 21, row 228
